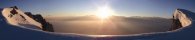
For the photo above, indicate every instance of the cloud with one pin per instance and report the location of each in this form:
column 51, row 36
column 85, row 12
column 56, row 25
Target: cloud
column 116, row 25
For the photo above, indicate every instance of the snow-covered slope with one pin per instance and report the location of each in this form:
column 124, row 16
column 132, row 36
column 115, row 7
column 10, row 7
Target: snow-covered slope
column 13, row 32
column 184, row 16
column 16, row 17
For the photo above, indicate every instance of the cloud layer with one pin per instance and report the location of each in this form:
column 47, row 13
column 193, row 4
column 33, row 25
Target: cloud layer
column 116, row 25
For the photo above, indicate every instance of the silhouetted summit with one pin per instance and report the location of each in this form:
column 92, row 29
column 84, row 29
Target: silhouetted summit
column 14, row 7
column 46, row 26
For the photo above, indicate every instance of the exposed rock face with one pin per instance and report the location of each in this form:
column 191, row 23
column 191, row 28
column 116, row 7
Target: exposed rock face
column 176, row 24
column 184, row 16
column 45, row 25
column 14, row 7
column 13, row 12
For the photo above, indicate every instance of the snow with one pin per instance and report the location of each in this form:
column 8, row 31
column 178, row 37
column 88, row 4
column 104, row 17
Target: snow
column 18, row 20
column 10, row 30
column 184, row 19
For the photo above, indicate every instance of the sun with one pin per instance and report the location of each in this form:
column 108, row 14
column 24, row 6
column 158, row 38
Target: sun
column 103, row 15
column 104, row 12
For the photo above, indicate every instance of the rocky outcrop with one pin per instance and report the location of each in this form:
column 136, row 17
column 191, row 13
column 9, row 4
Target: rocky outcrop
column 182, row 18
column 13, row 12
column 46, row 26
column 175, row 24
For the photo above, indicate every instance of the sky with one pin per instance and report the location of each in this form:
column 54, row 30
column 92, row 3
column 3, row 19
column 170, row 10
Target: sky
column 149, row 8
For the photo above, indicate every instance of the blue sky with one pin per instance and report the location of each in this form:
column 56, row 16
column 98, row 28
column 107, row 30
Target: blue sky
column 159, row 8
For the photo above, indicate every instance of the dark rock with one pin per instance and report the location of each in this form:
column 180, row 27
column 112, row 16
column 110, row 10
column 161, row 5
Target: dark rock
column 176, row 24
column 176, row 21
column 15, row 7
column 13, row 12
column 23, row 17
column 46, row 26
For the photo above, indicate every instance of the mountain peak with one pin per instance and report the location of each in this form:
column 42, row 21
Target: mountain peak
column 24, row 19
column 14, row 7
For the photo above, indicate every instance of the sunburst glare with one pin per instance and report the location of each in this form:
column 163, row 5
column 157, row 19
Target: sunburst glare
column 104, row 12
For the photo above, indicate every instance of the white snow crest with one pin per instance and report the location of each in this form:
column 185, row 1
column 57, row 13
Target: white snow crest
column 184, row 19
column 20, row 19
